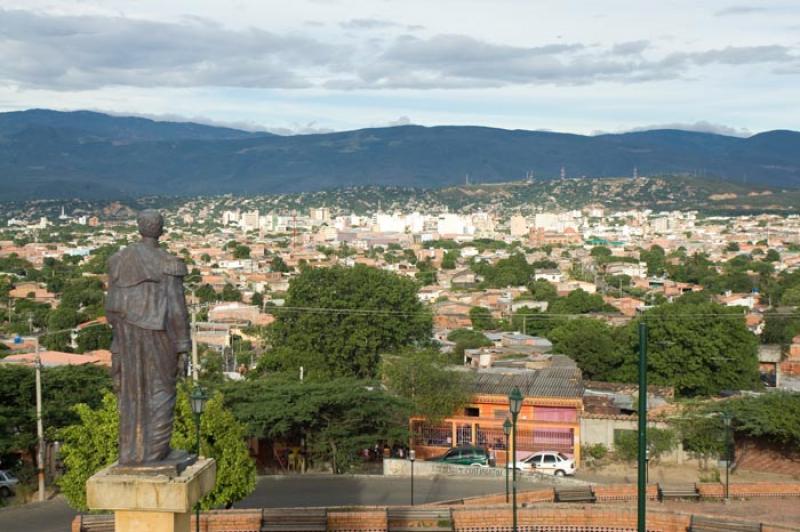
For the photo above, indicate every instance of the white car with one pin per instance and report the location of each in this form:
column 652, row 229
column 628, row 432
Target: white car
column 7, row 483
column 547, row 462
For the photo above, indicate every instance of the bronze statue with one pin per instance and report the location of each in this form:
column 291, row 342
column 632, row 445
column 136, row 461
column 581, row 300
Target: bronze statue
column 146, row 308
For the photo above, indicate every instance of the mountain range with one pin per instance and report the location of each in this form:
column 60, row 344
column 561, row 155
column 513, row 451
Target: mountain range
column 51, row 154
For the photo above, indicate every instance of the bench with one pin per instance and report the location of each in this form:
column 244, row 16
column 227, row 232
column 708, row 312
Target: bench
column 294, row 520
column 701, row 523
column 404, row 519
column 577, row 494
column 97, row 523
column 678, row 491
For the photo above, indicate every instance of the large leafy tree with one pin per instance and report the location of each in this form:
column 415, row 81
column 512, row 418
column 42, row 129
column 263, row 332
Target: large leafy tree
column 336, row 418
column 481, row 318
column 423, row 378
column 592, row 343
column 91, row 444
column 62, row 388
column 542, row 290
column 513, row 271
column 655, row 259
column 579, row 302
column 699, row 348
column 338, row 321
column 94, row 337
column 466, row 339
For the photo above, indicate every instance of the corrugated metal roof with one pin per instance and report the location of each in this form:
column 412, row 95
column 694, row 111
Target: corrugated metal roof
column 548, row 382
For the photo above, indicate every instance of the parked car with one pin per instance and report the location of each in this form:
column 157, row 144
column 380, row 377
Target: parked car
column 465, row 455
column 7, row 483
column 548, row 462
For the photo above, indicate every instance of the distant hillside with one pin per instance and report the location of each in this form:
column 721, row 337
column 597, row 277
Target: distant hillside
column 82, row 154
column 88, row 126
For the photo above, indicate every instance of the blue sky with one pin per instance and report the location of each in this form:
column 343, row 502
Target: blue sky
column 318, row 65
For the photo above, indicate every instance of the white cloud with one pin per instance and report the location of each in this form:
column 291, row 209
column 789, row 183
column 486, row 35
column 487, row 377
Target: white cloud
column 340, row 64
column 700, row 127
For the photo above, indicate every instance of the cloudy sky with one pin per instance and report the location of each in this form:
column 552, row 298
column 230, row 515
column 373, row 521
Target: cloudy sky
column 315, row 65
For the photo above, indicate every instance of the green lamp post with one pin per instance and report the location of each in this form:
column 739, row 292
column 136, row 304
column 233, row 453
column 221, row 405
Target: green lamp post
column 515, row 399
column 507, row 432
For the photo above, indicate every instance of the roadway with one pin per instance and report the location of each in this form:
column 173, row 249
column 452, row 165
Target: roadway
column 287, row 491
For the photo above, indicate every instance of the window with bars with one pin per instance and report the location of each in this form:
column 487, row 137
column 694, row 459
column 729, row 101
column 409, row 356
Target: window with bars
column 432, row 435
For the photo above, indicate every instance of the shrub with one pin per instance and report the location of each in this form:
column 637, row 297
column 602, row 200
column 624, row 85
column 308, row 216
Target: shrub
column 659, row 441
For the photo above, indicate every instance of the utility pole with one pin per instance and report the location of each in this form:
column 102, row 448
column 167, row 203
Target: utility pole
column 195, row 368
column 39, row 426
column 642, row 480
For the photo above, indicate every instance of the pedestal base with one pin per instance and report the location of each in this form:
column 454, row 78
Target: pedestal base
column 147, row 503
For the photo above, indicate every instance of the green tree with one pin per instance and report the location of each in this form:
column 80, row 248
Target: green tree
column 482, row 319
column 542, row 290
column 94, row 337
column 513, row 271
column 206, row 294
column 580, row 302
column 371, row 312
column 466, row 339
column 62, row 388
column 449, row 260
column 591, row 343
column 82, row 292
column 600, row 253
column 699, row 348
column 772, row 256
column 222, row 438
column 423, row 378
column 336, row 417
column 88, row 446
column 732, row 247
column 655, row 258
column 241, row 252
column 231, row 293
column 91, row 444
column 773, row 417
column 98, row 259
column 659, row 442
column 791, row 297
column 704, row 435
column 257, row 299
column 59, row 323
column 279, row 265
column 779, row 328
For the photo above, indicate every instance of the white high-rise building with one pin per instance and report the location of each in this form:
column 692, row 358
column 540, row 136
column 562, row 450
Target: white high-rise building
column 518, row 225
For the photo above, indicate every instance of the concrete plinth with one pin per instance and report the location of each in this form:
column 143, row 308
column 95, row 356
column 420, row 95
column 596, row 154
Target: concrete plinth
column 143, row 503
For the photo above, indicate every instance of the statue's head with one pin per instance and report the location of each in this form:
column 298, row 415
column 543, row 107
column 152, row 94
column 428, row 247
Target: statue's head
column 151, row 223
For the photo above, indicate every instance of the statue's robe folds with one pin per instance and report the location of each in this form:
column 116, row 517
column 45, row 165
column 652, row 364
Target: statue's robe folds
column 146, row 308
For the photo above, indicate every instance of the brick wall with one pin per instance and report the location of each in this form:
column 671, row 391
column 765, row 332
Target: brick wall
column 560, row 518
column 357, row 520
column 762, row 456
column 215, row 521
column 622, row 492
column 747, row 490
column 229, row 521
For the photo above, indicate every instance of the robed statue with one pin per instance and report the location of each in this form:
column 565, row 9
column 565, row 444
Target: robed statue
column 146, row 308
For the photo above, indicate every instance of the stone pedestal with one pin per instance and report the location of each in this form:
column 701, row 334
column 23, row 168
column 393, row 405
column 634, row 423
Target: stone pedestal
column 151, row 503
